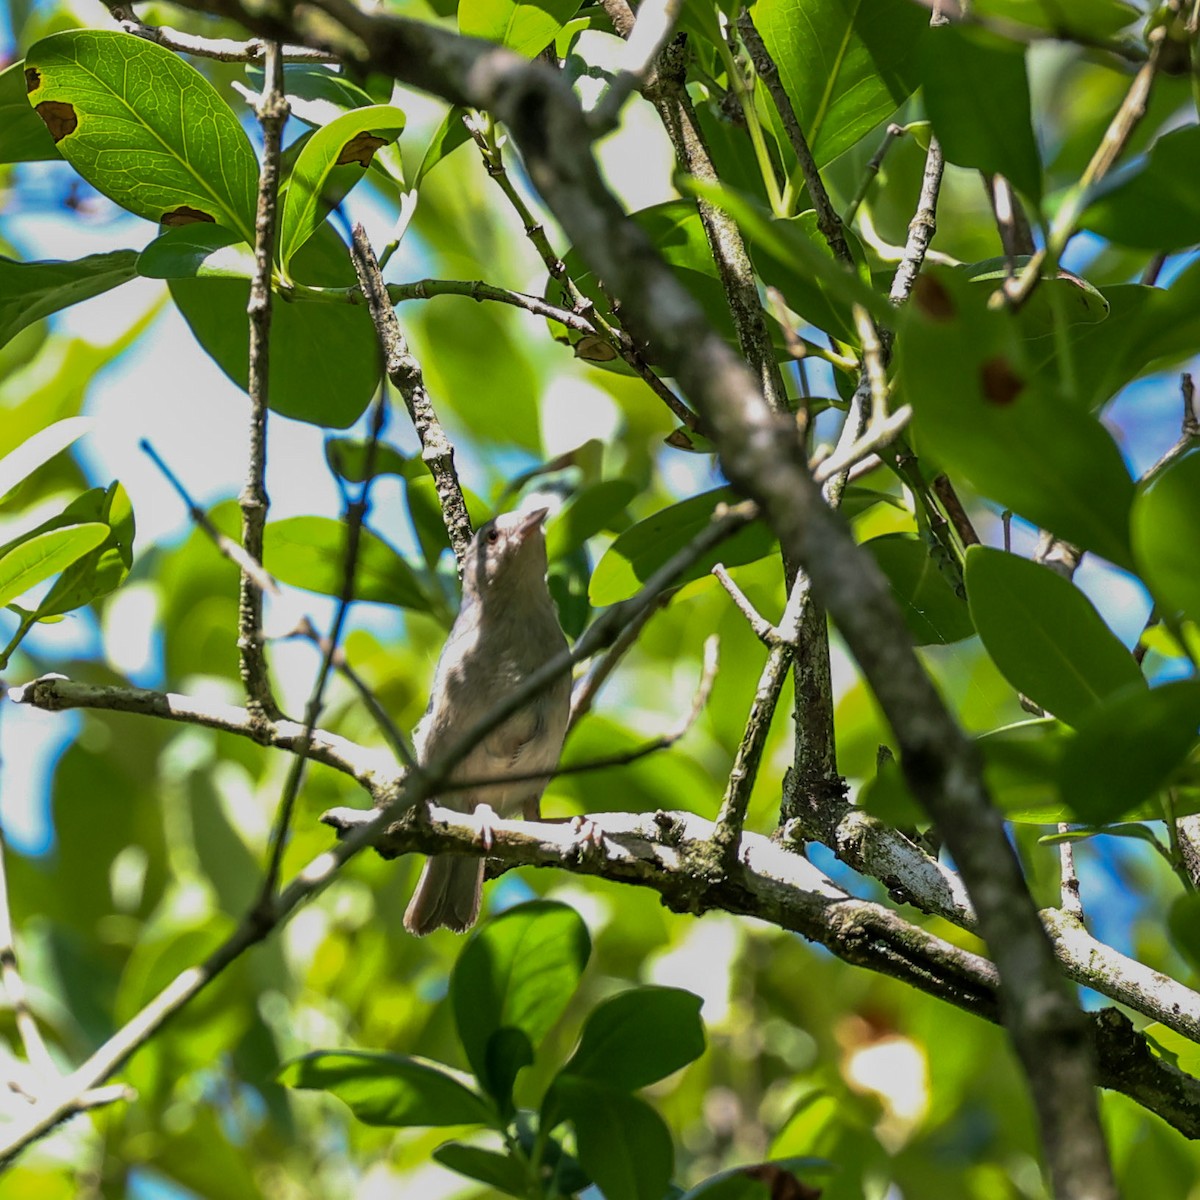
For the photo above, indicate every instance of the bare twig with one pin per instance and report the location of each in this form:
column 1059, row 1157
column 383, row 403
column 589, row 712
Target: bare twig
column 828, row 221
column 763, row 629
column 1071, row 903
column 1011, row 222
column 891, row 135
column 221, row 49
column 272, row 111
column 654, row 25
column 944, row 490
column 404, row 371
column 355, row 518
column 922, row 227
column 1189, row 428
column 234, row 551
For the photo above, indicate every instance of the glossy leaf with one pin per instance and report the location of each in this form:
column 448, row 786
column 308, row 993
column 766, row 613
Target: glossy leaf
column 984, row 410
column 1086, row 18
column 103, row 569
column 108, row 99
column 1064, row 296
column 17, row 465
column 308, row 552
column 623, row 1144
column 758, row 1181
column 499, row 1171
column 932, row 610
column 1151, row 204
column 23, row 137
column 317, row 94
column 518, row 971
column 389, row 1089
column 325, row 361
column 197, row 251
column 1020, row 767
column 646, row 546
column 35, row 559
column 526, row 28
column 1166, row 534
column 977, row 96
column 449, row 135
column 32, row 290
column 333, row 160
column 1183, row 921
column 846, row 66
column 348, row 457
column 638, row 1037
column 1127, row 749
column 587, row 513
column 1044, row 635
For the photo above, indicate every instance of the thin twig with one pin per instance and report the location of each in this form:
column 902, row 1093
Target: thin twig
column 944, row 490
column 763, row 629
column 1016, row 292
column 234, row 551
column 891, row 135
column 1189, row 428
column 1011, row 222
column 272, row 111
column 584, row 694
column 922, row 227
column 828, row 221
column 392, row 733
column 1071, row 903
column 221, row 49
column 663, row 742
column 403, row 369
column 356, row 516
column 654, row 25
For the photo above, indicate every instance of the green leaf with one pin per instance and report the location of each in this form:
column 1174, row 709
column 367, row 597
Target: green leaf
column 325, row 361
column 1127, row 749
column 308, row 552
column 1089, row 19
column 982, row 408
column 508, row 1052
column 977, row 96
column 812, row 276
column 101, row 570
column 1183, row 921
column 36, row 558
column 587, row 513
column 499, row 1171
column 389, row 1089
column 348, row 457
column 17, row 465
column 638, row 1037
column 1150, row 204
column 518, row 971
column 317, row 94
column 30, row 291
column 1166, row 534
column 425, row 510
column 197, row 251
column 23, row 138
column 1062, row 296
column 1020, row 768
column 526, row 28
column 933, row 611
column 644, row 547
column 334, row 159
column 623, row 1144
column 110, row 100
column 760, row 1181
column 1044, row 635
column 447, row 138
column 846, row 65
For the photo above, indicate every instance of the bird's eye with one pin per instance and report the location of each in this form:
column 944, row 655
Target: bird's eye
column 493, row 536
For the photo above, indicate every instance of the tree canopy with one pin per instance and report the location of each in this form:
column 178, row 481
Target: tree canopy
column 848, row 345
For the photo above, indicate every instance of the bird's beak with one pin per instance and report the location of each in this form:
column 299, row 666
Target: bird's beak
column 531, row 521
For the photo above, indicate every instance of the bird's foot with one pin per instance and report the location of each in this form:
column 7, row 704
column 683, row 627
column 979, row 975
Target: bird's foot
column 588, row 837
column 486, row 818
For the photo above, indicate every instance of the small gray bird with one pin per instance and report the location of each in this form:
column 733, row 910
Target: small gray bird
column 506, row 629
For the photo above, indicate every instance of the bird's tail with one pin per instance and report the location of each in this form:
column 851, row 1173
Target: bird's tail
column 448, row 893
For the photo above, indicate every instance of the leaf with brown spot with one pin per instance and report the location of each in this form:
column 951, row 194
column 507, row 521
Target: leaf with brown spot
column 592, row 348
column 999, row 383
column 183, row 215
column 60, row 118
column 783, row 1184
column 360, row 149
column 145, row 128
column 932, row 299
column 329, row 165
